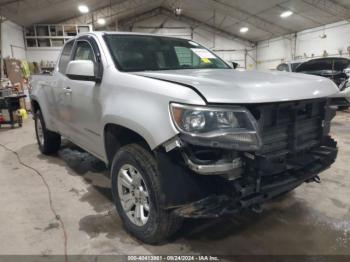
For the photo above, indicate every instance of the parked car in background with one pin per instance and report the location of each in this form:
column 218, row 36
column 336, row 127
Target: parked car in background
column 288, row 66
column 335, row 68
column 184, row 134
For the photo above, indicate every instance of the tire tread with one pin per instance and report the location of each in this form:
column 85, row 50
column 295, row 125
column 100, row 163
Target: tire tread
column 167, row 222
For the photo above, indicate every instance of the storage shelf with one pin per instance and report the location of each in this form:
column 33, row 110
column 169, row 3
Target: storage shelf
column 52, row 35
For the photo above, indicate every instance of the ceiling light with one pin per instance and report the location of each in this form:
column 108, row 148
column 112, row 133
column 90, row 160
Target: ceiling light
column 244, row 30
column 286, row 14
column 178, row 11
column 83, row 9
column 101, row 21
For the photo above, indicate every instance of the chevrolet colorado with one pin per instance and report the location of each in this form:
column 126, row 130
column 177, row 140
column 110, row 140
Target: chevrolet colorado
column 184, row 135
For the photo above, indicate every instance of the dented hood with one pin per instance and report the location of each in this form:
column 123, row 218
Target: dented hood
column 232, row 86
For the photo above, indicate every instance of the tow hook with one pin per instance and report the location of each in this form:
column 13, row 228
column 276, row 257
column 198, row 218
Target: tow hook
column 257, row 208
column 317, row 179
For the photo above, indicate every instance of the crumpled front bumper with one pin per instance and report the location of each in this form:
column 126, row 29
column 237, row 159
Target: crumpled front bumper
column 257, row 193
column 200, row 181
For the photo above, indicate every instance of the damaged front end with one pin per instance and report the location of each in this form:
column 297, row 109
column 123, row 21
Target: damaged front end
column 210, row 180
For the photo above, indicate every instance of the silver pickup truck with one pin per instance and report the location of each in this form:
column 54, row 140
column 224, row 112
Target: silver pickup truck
column 184, row 135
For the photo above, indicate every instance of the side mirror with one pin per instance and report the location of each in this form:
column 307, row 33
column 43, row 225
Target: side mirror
column 234, row 65
column 83, row 70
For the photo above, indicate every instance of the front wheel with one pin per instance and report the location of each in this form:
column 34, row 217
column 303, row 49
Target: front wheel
column 138, row 197
column 49, row 142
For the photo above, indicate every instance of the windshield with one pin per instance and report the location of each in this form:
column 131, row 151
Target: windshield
column 144, row 53
column 326, row 64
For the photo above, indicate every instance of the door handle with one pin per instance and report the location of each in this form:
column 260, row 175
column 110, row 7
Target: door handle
column 67, row 90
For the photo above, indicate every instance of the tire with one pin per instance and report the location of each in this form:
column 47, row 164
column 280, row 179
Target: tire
column 161, row 223
column 49, row 142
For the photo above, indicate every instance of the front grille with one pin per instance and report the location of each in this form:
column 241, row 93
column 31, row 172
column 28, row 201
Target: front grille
column 291, row 127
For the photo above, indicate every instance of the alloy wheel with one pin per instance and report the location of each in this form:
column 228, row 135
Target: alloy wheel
column 133, row 195
column 40, row 132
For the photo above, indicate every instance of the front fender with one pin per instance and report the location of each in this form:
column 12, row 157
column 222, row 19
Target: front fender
column 129, row 124
column 142, row 105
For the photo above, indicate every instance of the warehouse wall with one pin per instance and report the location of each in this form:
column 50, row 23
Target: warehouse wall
column 12, row 40
column 13, row 45
column 43, row 54
column 308, row 43
column 227, row 47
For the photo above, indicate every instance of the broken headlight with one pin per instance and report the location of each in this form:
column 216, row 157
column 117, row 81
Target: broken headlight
column 226, row 127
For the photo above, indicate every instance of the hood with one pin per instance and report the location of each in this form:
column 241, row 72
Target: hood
column 232, row 86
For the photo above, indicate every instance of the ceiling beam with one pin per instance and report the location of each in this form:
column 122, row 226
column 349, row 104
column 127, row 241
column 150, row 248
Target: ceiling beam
column 111, row 13
column 283, row 8
column 194, row 23
column 247, row 18
column 130, row 21
column 9, row 2
column 330, row 7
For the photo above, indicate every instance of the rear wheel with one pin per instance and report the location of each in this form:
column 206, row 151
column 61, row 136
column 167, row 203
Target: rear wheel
column 49, row 142
column 138, row 197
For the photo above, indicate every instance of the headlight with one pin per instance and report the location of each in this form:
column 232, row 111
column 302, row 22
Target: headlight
column 230, row 127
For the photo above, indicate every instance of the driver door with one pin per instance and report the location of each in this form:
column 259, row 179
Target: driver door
column 85, row 103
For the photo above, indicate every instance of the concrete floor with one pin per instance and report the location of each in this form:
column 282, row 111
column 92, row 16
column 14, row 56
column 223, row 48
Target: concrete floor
column 314, row 219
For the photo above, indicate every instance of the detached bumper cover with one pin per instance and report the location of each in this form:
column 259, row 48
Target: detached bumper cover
column 296, row 147
column 248, row 196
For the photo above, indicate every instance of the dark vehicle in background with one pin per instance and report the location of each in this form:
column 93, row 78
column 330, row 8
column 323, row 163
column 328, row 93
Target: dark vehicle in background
column 335, row 68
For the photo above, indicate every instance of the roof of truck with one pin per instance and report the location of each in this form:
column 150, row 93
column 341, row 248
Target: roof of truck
column 101, row 33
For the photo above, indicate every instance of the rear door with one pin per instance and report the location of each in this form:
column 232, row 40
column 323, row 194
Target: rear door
column 62, row 103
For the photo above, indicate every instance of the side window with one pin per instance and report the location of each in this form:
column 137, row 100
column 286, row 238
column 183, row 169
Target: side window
column 65, row 57
column 84, row 52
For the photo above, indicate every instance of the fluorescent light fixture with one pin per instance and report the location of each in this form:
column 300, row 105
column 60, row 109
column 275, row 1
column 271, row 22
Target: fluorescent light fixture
column 178, row 11
column 286, row 14
column 101, row 21
column 244, row 30
column 83, row 9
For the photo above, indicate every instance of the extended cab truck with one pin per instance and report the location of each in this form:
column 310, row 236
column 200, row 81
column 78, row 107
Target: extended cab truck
column 184, row 134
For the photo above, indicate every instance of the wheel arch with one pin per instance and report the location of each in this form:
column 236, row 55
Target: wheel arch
column 115, row 136
column 35, row 105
